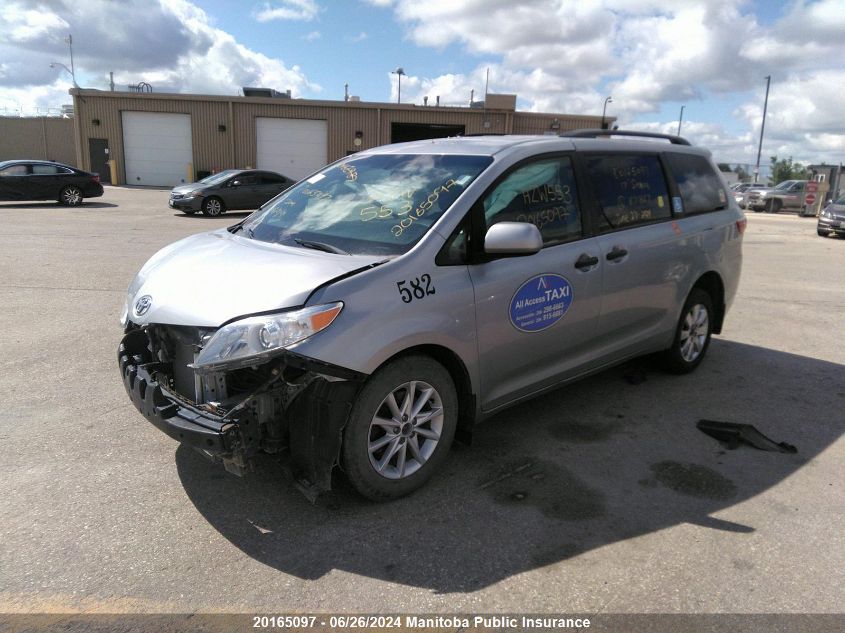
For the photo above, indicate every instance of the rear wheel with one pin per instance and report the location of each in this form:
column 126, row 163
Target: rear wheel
column 71, row 196
column 692, row 336
column 400, row 428
column 213, row 206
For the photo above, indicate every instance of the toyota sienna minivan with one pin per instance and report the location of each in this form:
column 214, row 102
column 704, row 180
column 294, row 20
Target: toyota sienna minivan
column 366, row 315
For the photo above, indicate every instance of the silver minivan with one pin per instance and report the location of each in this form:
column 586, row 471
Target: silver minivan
column 376, row 310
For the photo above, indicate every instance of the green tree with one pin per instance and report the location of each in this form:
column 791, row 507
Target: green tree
column 785, row 169
column 742, row 174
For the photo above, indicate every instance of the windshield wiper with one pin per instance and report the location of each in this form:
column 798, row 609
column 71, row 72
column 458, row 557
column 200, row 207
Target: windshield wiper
column 320, row 246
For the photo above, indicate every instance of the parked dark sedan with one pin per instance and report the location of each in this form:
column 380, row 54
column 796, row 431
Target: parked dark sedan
column 832, row 219
column 47, row 180
column 229, row 189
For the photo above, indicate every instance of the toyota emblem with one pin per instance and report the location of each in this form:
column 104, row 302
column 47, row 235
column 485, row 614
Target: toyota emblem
column 142, row 305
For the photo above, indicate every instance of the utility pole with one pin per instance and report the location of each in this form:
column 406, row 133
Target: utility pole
column 762, row 127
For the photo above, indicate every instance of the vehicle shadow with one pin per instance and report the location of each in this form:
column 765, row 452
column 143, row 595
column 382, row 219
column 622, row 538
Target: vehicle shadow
column 55, row 205
column 610, row 458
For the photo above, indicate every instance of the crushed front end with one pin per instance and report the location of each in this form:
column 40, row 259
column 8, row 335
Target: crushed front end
column 288, row 402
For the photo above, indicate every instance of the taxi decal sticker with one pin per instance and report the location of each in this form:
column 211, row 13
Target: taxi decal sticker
column 540, row 302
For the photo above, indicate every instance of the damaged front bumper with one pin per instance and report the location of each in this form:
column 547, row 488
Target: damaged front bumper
column 296, row 404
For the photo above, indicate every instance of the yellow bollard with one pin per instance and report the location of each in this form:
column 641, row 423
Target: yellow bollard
column 190, row 172
column 112, row 163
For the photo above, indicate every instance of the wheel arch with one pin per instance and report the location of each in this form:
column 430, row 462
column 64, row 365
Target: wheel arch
column 453, row 364
column 711, row 283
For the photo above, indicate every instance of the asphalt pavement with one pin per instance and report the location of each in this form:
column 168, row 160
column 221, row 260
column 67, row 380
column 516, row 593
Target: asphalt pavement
column 601, row 497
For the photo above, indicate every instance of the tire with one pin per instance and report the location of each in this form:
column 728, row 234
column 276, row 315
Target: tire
column 773, row 206
column 71, row 196
column 213, row 206
column 692, row 335
column 822, row 233
column 383, row 460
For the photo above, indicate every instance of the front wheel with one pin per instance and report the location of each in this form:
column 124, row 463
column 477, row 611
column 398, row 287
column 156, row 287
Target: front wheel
column 400, row 428
column 773, row 206
column 692, row 336
column 71, row 196
column 822, row 232
column 213, row 207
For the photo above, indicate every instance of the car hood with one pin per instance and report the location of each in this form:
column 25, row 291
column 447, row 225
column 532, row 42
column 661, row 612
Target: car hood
column 183, row 189
column 210, row 278
column 837, row 210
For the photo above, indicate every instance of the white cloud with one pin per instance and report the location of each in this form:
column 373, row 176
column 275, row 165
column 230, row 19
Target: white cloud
column 305, row 10
column 559, row 55
column 356, row 39
column 170, row 44
column 312, row 36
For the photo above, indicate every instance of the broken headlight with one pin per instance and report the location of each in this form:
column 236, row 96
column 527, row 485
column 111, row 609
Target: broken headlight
column 255, row 339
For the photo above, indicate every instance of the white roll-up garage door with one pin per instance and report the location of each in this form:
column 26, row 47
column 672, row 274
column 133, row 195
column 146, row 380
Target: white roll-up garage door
column 157, row 148
column 292, row 147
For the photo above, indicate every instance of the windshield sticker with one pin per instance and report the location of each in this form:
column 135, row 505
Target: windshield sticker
column 313, row 180
column 677, row 204
column 540, row 302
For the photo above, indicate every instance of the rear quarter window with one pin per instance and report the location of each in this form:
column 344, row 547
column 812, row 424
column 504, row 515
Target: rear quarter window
column 700, row 187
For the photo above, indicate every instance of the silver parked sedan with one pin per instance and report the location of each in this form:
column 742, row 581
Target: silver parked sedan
column 399, row 296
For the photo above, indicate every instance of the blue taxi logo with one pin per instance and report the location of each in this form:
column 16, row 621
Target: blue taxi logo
column 540, row 302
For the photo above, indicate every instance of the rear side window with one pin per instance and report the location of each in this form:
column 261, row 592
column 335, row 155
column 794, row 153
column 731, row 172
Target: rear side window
column 46, row 170
column 630, row 190
column 542, row 193
column 14, row 170
column 701, row 189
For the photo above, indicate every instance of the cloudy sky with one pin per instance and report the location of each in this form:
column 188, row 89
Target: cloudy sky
column 652, row 57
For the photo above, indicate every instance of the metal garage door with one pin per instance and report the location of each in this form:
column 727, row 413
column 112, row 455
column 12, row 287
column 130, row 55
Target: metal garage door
column 157, row 148
column 292, row 147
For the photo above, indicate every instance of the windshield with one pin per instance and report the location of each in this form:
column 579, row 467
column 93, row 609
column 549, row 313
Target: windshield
column 381, row 204
column 841, row 200
column 219, row 177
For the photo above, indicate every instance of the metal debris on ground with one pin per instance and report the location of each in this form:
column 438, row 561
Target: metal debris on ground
column 733, row 434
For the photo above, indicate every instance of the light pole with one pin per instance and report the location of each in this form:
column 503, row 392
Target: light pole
column 399, row 71
column 762, row 127
column 680, row 119
column 69, row 40
column 69, row 71
column 604, row 110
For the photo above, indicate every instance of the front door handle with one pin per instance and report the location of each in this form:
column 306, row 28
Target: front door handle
column 586, row 261
column 617, row 253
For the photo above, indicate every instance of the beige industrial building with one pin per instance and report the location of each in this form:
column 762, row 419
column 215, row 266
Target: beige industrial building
column 156, row 139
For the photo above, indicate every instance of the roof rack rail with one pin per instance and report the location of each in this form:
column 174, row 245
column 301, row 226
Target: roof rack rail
column 675, row 140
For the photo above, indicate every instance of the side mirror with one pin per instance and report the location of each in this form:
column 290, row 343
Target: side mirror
column 513, row 238
column 235, row 183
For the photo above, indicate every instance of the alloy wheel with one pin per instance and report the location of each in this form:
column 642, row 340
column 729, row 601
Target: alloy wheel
column 694, row 332
column 405, row 430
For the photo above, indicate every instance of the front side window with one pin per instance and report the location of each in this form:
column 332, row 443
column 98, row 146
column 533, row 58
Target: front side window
column 542, row 193
column 700, row 187
column 378, row 204
column 630, row 190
